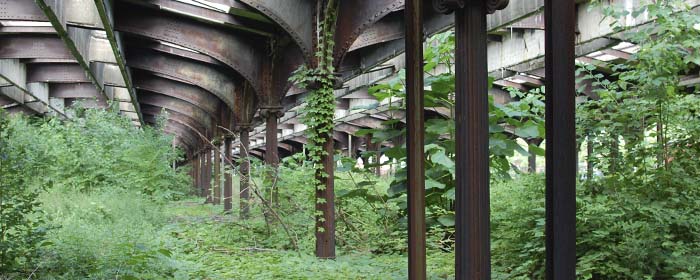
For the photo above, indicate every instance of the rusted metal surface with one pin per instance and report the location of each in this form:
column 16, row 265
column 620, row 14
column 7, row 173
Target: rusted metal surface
column 196, row 118
column 244, row 193
column 387, row 29
column 33, row 46
column 415, row 140
column 238, row 52
column 228, row 180
column 192, row 94
column 325, row 203
column 472, row 244
column 561, row 158
column 213, row 80
column 73, row 90
column 210, row 16
column 56, row 73
column 356, row 16
column 294, row 16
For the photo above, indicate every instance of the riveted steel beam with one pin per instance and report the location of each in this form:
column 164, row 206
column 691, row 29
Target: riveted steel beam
column 190, row 93
column 183, row 130
column 13, row 75
column 33, row 46
column 73, row 90
column 216, row 81
column 235, row 50
column 294, row 16
column 156, row 110
column 177, row 105
column 356, row 16
column 77, row 50
column 146, row 43
column 223, row 18
column 56, row 73
column 104, row 8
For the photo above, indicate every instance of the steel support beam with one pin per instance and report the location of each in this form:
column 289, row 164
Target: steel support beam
column 244, row 172
column 415, row 140
column 560, row 123
column 104, row 8
column 228, row 180
column 472, row 242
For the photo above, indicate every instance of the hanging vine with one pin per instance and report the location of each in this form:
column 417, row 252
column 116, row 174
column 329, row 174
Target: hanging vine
column 320, row 102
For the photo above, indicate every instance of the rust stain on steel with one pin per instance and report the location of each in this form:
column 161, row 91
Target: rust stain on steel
column 192, row 94
column 177, row 105
column 208, row 78
column 56, row 73
column 33, row 46
column 356, row 16
column 236, row 50
column 388, row 28
column 73, row 90
column 176, row 116
column 294, row 16
column 415, row 140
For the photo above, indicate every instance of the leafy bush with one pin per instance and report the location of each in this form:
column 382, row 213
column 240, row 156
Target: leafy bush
column 22, row 226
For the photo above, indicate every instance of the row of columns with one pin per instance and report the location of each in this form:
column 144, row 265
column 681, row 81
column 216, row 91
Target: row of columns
column 473, row 260
column 212, row 170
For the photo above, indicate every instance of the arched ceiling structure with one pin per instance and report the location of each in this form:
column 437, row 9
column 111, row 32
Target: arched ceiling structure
column 213, row 64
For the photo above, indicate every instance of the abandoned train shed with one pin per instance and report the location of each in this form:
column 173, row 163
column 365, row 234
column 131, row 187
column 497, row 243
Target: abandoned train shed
column 221, row 70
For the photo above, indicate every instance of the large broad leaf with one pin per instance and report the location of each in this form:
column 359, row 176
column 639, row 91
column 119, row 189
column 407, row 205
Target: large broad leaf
column 536, row 150
column 449, row 194
column 432, row 184
column 528, row 130
column 441, row 158
column 396, row 189
column 447, row 220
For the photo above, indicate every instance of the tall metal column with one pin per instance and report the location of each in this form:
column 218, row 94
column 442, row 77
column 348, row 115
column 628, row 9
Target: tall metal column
column 415, row 139
column 207, row 174
column 244, row 172
column 217, row 175
column 271, row 115
column 228, row 180
column 473, row 257
column 200, row 174
column 560, row 229
column 325, row 203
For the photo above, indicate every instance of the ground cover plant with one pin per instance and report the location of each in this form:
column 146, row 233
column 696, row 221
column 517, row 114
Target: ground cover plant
column 96, row 198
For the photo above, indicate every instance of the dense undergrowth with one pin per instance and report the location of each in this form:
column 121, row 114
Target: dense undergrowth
column 96, row 198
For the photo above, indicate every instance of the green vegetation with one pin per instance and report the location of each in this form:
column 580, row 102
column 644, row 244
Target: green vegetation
column 96, row 198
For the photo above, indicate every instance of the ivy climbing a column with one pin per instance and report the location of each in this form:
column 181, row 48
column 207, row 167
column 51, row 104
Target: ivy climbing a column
column 318, row 117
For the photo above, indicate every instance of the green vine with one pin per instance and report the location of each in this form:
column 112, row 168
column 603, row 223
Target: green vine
column 320, row 103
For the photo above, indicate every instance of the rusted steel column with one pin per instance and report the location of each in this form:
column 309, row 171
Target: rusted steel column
column 200, row 177
column 561, row 160
column 228, row 181
column 415, row 139
column 271, row 114
column 217, row 175
column 207, row 173
column 244, row 171
column 325, row 203
column 473, row 257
